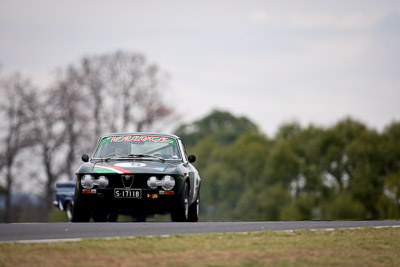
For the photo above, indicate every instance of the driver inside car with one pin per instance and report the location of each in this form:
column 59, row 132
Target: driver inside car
column 117, row 149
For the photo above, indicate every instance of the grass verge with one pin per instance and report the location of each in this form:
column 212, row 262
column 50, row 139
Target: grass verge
column 353, row 247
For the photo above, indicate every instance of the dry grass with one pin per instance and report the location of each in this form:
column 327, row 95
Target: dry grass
column 358, row 247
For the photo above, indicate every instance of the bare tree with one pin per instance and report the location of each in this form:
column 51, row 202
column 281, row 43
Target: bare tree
column 15, row 90
column 59, row 126
column 70, row 101
column 141, row 86
column 151, row 106
column 91, row 77
column 121, row 91
column 124, row 92
column 125, row 72
column 49, row 138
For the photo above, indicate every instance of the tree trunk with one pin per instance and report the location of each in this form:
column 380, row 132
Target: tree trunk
column 9, row 183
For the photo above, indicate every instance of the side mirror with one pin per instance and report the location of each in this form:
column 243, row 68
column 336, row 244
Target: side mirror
column 192, row 158
column 85, row 158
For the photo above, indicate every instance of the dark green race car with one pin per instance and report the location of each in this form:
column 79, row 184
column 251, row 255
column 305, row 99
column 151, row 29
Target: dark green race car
column 140, row 174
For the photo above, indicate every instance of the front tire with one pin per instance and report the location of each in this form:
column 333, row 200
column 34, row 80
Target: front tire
column 194, row 210
column 180, row 213
column 81, row 211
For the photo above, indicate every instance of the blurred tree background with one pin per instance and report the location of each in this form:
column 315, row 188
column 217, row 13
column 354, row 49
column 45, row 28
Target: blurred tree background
column 44, row 131
column 345, row 171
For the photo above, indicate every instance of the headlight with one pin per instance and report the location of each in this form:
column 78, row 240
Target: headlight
column 87, row 181
column 102, row 182
column 168, row 182
column 152, row 182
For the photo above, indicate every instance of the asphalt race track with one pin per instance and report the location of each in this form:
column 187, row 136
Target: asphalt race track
column 47, row 232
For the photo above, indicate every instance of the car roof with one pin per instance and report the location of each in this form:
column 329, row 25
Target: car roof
column 140, row 133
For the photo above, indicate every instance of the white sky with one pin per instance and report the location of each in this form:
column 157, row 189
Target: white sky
column 272, row 61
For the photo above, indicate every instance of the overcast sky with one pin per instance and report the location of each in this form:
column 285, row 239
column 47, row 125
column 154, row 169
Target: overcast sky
column 272, row 61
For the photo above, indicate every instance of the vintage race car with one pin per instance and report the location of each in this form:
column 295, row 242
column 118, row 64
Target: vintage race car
column 137, row 173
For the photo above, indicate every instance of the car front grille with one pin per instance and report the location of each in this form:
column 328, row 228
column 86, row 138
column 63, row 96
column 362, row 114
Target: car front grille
column 139, row 180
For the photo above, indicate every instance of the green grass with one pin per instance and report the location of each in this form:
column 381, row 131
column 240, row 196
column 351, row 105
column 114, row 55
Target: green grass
column 356, row 247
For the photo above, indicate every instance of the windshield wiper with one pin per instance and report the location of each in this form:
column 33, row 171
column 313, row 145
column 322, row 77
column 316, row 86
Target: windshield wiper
column 144, row 156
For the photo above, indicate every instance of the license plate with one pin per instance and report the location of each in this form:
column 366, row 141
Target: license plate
column 127, row 193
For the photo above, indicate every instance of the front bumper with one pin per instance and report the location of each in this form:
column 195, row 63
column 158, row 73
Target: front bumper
column 152, row 201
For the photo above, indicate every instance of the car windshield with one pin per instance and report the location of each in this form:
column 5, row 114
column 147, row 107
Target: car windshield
column 138, row 146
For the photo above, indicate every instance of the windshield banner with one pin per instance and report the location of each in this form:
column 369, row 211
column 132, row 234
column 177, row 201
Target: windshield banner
column 138, row 138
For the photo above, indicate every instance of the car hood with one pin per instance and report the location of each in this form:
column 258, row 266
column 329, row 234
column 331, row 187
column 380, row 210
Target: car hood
column 130, row 167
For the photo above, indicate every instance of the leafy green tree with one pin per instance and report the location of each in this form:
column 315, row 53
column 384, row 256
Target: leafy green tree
column 365, row 169
column 223, row 126
column 333, row 146
column 290, row 213
column 283, row 164
column 346, row 171
column 289, row 131
column 390, row 199
column 263, row 203
column 248, row 156
column 209, row 165
column 307, row 146
column 343, row 207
